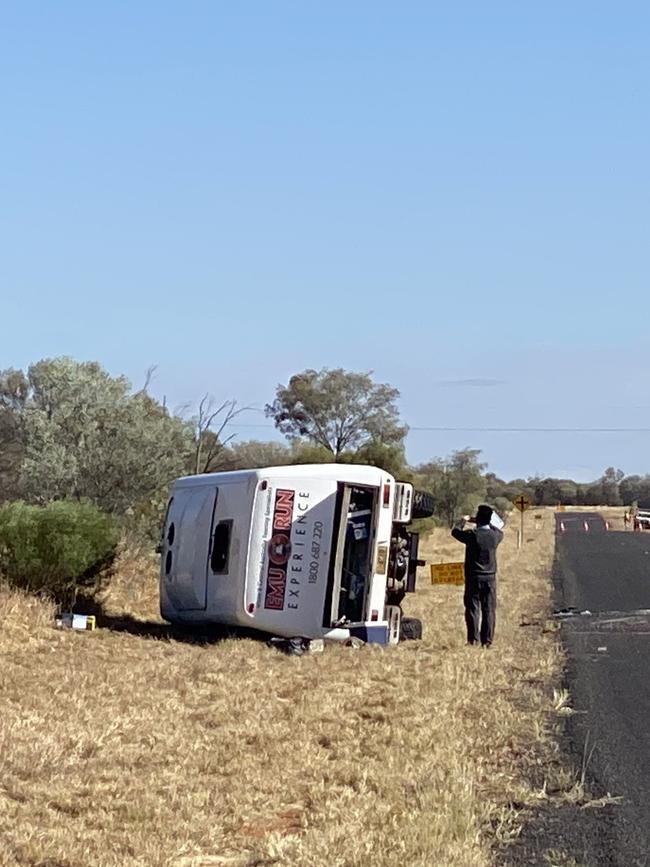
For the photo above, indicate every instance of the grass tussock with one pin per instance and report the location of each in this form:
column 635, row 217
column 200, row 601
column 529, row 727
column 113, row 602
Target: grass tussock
column 117, row 749
column 134, row 585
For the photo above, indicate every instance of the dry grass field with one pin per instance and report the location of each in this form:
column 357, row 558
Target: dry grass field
column 131, row 749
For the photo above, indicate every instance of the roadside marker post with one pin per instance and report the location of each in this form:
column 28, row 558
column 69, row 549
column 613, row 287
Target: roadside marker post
column 522, row 503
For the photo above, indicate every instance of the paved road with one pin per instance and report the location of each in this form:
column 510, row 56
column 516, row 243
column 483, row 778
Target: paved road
column 608, row 574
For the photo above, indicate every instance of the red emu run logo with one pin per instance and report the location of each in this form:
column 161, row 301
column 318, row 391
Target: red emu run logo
column 279, row 550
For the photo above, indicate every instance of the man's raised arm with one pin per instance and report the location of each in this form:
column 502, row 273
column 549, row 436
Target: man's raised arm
column 458, row 533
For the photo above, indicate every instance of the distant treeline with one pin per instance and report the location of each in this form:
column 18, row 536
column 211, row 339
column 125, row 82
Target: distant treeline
column 70, row 431
column 613, row 488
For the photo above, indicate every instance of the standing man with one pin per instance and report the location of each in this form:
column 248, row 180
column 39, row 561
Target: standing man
column 480, row 575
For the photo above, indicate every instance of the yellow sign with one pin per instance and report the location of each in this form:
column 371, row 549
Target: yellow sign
column 382, row 559
column 447, row 573
column 521, row 502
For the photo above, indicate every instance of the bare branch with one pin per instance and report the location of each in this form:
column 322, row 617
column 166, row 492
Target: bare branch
column 205, row 424
column 148, row 377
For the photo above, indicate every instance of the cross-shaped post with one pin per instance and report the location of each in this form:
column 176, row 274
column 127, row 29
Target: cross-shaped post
column 521, row 502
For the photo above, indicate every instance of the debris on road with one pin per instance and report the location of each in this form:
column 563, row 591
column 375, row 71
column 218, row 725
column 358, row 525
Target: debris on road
column 563, row 613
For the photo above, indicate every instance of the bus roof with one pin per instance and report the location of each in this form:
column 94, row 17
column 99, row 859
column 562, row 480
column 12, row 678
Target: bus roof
column 359, row 474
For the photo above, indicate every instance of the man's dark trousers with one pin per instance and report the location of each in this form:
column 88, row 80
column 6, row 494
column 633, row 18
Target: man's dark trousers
column 480, row 605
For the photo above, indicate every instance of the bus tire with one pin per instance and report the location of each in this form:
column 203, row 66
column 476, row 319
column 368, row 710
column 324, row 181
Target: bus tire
column 410, row 629
column 422, row 504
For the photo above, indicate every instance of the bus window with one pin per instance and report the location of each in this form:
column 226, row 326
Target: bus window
column 221, row 548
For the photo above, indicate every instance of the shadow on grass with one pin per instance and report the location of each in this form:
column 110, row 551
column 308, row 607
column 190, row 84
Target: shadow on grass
column 199, row 634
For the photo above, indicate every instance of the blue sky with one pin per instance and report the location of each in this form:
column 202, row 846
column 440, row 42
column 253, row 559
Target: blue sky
column 435, row 192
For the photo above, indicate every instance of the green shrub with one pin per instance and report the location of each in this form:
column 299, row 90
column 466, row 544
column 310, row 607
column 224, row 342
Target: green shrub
column 503, row 506
column 424, row 526
column 58, row 549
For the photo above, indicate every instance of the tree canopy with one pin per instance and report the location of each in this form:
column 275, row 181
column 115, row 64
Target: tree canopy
column 81, row 433
column 338, row 410
column 457, row 483
column 70, row 430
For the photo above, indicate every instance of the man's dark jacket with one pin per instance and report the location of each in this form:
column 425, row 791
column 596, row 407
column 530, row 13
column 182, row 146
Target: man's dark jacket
column 480, row 550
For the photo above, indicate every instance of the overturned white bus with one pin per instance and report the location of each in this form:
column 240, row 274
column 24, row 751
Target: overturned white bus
column 320, row 551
